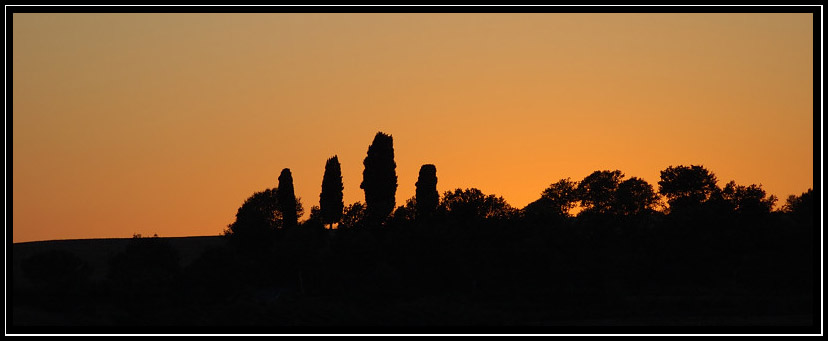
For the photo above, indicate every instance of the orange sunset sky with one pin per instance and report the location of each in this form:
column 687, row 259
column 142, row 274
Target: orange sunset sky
column 166, row 123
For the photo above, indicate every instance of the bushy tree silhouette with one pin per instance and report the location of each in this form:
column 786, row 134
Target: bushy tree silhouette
column 562, row 196
column 315, row 214
column 686, row 187
column 597, row 190
column 635, row 196
column 801, row 207
column 256, row 219
column 427, row 197
column 286, row 199
column 749, row 200
column 472, row 204
column 379, row 179
column 406, row 213
column 354, row 215
column 554, row 204
column 331, row 204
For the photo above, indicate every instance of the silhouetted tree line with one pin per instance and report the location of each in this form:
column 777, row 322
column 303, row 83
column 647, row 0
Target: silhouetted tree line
column 688, row 247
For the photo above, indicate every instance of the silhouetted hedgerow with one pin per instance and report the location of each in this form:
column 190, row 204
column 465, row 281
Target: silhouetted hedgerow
column 712, row 252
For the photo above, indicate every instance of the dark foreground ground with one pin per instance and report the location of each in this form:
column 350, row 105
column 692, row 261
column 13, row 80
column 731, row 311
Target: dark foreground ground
column 214, row 288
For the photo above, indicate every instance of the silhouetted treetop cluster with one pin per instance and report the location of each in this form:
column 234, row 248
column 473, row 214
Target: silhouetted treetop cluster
column 688, row 191
column 691, row 245
column 687, row 186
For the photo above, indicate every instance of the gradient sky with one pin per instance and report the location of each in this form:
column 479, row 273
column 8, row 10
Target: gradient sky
column 166, row 123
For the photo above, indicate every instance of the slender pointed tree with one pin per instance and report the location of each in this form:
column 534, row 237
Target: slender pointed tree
column 379, row 179
column 287, row 199
column 331, row 204
column 427, row 197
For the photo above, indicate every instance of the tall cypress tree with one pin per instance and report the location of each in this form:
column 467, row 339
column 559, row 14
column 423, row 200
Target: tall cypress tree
column 379, row 179
column 427, row 197
column 330, row 199
column 287, row 199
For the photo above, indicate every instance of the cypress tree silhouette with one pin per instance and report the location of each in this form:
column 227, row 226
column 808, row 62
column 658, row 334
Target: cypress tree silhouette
column 287, row 199
column 427, row 197
column 331, row 204
column 379, row 179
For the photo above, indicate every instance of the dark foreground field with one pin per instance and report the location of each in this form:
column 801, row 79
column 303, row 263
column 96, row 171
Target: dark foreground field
column 338, row 280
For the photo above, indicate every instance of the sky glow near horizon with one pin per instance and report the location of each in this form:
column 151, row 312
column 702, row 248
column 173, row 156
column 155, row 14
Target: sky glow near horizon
column 166, row 123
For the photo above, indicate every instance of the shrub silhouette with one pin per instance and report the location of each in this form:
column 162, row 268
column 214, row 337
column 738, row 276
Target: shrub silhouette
column 379, row 179
column 354, row 216
column 331, row 204
column 315, row 214
column 427, row 198
column 406, row 213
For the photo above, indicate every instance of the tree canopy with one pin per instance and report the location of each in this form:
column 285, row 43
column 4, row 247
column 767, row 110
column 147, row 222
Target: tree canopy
column 472, row 203
column 597, row 190
column 687, row 186
column 748, row 199
column 635, row 196
column 257, row 217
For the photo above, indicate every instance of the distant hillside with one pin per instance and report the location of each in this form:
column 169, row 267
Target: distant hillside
column 98, row 252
